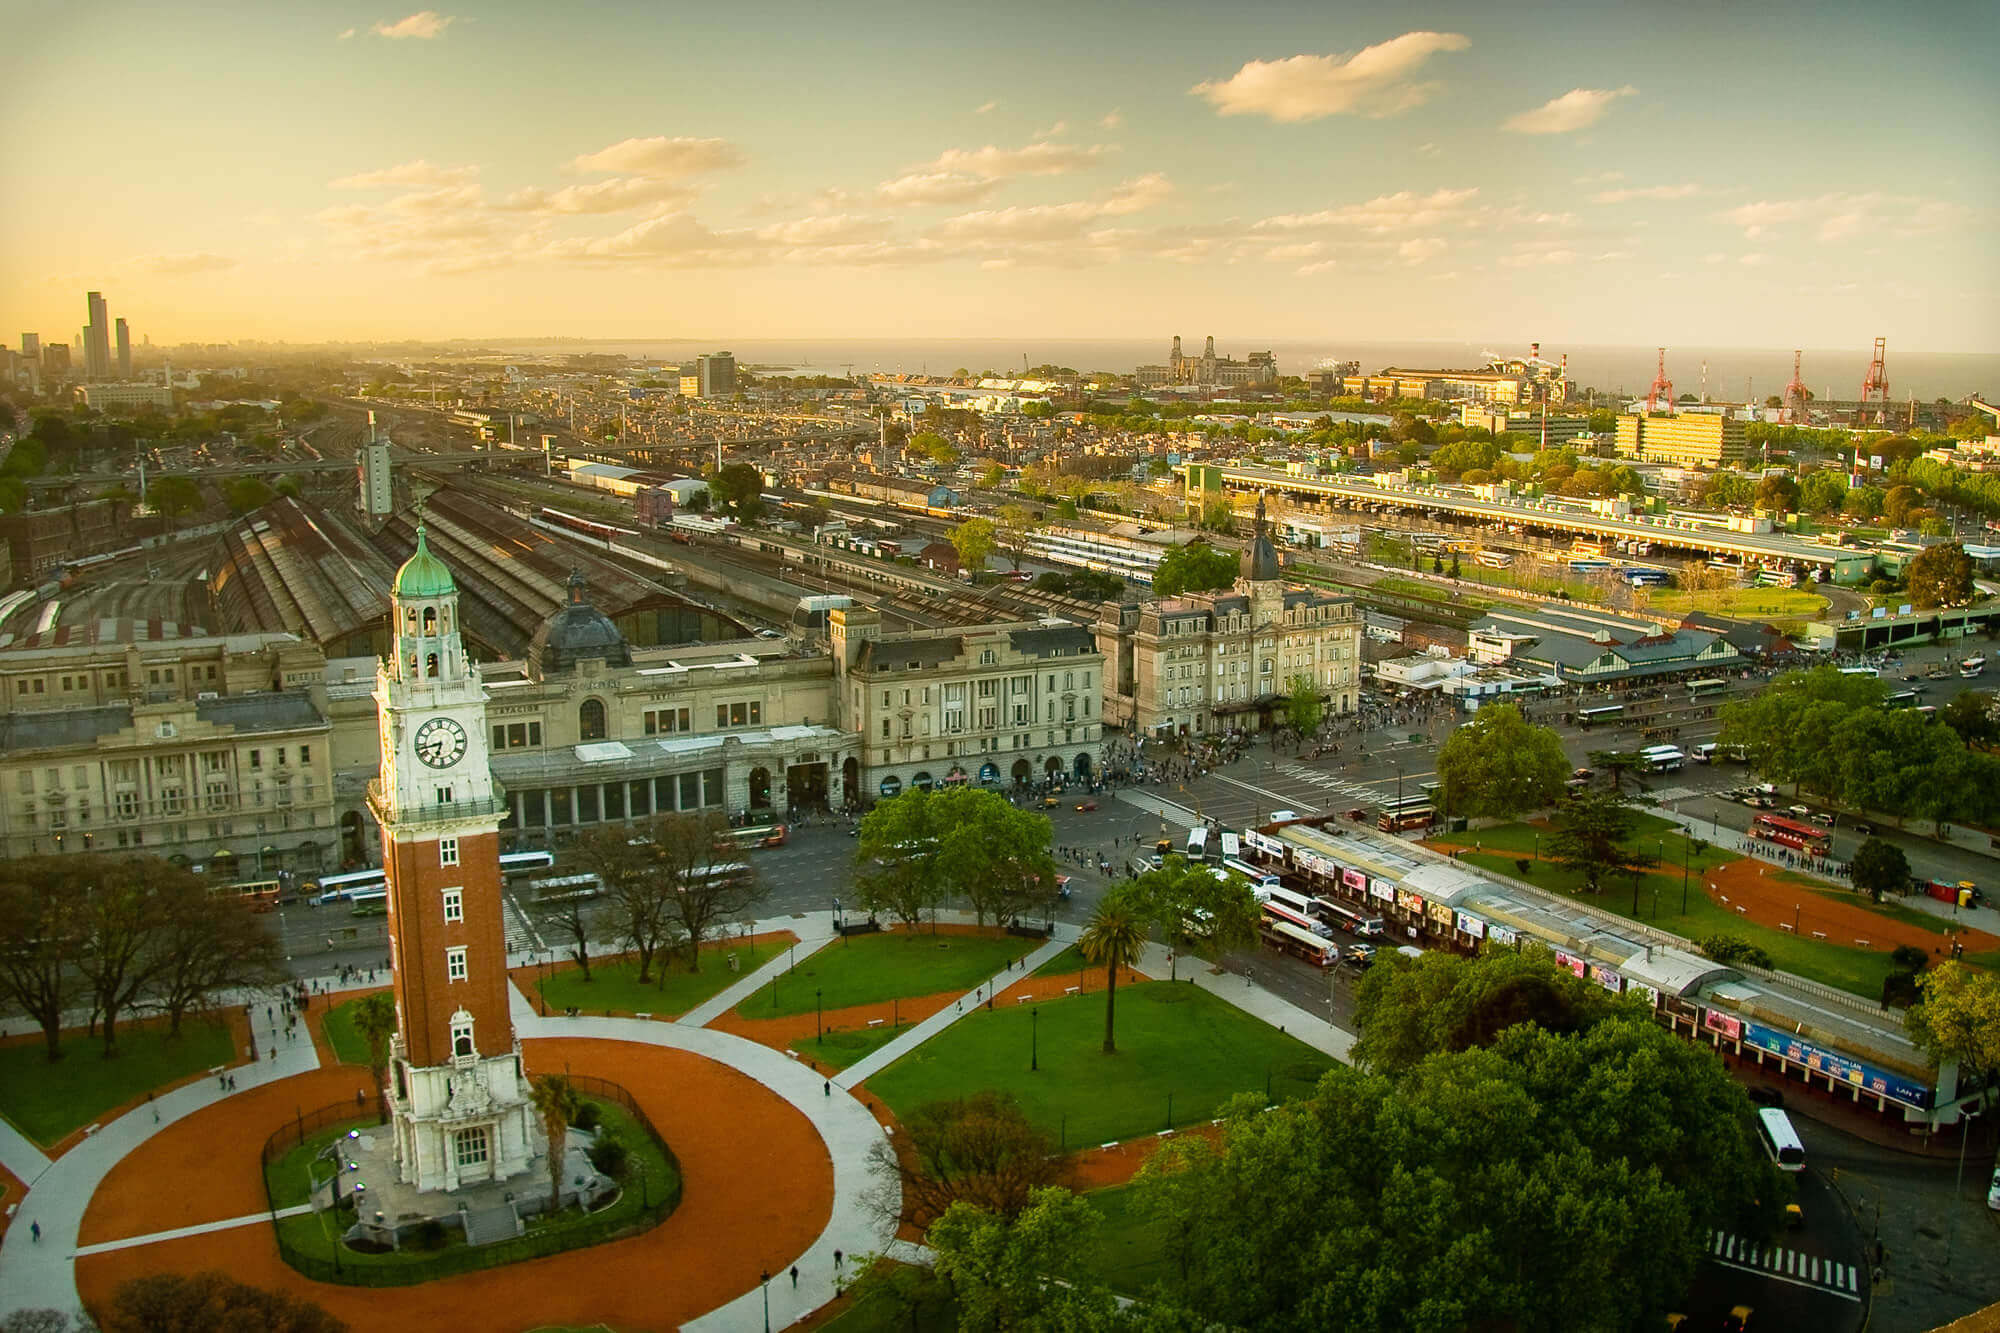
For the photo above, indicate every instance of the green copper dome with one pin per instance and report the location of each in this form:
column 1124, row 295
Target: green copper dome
column 423, row 574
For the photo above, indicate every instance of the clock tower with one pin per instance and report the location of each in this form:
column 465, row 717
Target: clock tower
column 457, row 1093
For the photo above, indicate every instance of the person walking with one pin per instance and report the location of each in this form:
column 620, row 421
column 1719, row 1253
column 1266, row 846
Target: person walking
column 35, row 1233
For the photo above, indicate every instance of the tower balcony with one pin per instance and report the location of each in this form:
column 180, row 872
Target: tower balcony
column 436, row 813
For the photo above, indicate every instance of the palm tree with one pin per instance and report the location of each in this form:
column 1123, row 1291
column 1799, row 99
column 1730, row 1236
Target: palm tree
column 1114, row 937
column 557, row 1101
column 375, row 1020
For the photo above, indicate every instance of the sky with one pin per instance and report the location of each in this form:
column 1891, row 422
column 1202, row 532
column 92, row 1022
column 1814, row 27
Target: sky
column 1639, row 173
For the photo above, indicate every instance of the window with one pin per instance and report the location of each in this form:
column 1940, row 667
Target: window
column 470, row 1145
column 987, row 657
column 256, row 759
column 447, row 851
column 461, row 1034
column 590, row 720
column 454, row 904
column 665, row 721
column 305, row 754
column 454, row 964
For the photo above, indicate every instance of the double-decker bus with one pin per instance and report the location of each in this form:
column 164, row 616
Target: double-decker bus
column 1787, row 832
column 758, row 835
column 259, row 895
column 1590, row 717
column 349, row 886
column 1407, row 813
column 525, row 863
column 1299, row 942
column 1706, row 686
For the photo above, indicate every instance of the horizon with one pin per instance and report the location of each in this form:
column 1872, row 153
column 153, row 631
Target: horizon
column 1443, row 181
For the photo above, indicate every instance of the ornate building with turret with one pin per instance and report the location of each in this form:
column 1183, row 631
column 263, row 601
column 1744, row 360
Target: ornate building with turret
column 1228, row 659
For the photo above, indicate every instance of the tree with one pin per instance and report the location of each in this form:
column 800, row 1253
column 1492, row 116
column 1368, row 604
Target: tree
column 1194, row 567
column 205, row 944
column 119, row 917
column 1013, row 525
column 1823, row 490
column 1777, row 494
column 933, row 446
column 1970, row 714
column 375, row 1021
column 1940, row 575
column 736, row 487
column 171, row 497
column 557, row 1102
column 637, row 890
column 43, row 936
column 973, row 539
column 1030, row 1272
column 177, row 1303
column 1195, row 910
column 1497, row 764
column 1958, row 1017
column 992, row 476
column 689, row 852
column 1733, row 949
column 981, row 1149
column 574, row 922
column 1590, row 829
column 959, row 842
column 1114, row 938
column 1880, row 867
column 1304, row 706
column 243, row 494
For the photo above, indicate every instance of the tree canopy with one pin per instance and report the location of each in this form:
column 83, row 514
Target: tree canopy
column 1194, row 567
column 957, row 842
column 1304, row 708
column 1590, row 836
column 1879, row 867
column 1940, row 575
column 1958, row 1016
column 738, row 489
column 1498, row 764
column 973, row 540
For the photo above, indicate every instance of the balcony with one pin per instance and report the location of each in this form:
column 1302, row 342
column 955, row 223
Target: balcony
column 437, row 813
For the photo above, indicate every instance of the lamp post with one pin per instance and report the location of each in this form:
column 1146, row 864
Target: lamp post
column 764, row 1279
column 819, row 1016
column 1034, row 1045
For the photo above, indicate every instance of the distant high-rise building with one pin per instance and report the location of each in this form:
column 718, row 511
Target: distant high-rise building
column 97, row 339
column 124, row 351
column 55, row 361
column 31, row 346
column 377, row 498
column 716, row 374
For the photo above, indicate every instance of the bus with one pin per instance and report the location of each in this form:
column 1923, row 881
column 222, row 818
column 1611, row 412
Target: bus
column 1300, row 943
column 1412, row 812
column 1662, row 758
column 259, row 895
column 1349, row 920
column 1297, row 904
column 566, row 888
column 342, row 888
column 722, row 872
column 758, row 835
column 1590, row 717
column 1780, row 1140
column 1901, row 699
column 1646, row 578
column 1788, row 832
column 1495, row 559
column 1710, row 685
column 1972, row 668
column 1776, row 578
column 1868, row 671
column 1280, row 912
column 1197, row 845
column 525, row 863
column 1259, row 879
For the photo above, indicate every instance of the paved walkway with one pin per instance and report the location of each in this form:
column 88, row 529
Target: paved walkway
column 43, row 1274
column 179, row 1233
column 1254, row 1000
column 842, row 1122
column 717, row 1005
column 884, row 1056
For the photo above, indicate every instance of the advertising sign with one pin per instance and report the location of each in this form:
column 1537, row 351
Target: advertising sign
column 1840, row 1068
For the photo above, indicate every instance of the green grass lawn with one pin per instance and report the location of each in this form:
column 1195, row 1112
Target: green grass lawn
column 1127, row 1255
column 46, row 1101
column 1172, row 1039
column 842, row 1048
column 869, row 969
column 349, row 1046
column 1746, row 603
column 1069, row 960
column 291, row 1178
column 672, row 990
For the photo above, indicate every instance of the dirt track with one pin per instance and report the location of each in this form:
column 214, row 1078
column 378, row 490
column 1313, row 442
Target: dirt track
column 1839, row 917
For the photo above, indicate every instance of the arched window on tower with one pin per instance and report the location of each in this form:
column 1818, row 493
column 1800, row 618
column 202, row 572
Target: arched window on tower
column 410, row 621
column 413, row 666
column 590, row 720
column 431, row 664
column 430, row 620
column 461, row 1034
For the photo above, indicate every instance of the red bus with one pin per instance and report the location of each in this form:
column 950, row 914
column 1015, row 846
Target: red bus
column 1791, row 833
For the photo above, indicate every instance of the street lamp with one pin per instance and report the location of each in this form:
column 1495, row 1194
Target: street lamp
column 764, row 1278
column 1034, row 1034
column 819, row 1017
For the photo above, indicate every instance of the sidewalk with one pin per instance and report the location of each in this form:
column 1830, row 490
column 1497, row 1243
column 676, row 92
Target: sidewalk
column 884, row 1056
column 717, row 1005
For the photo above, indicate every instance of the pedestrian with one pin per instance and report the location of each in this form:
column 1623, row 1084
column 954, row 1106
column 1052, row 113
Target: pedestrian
column 795, row 1277
column 222, row 1082
column 35, row 1233
column 156, row 1109
column 827, row 1087
column 232, row 1078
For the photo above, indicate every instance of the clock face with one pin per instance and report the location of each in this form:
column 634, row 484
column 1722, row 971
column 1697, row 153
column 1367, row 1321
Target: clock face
column 440, row 742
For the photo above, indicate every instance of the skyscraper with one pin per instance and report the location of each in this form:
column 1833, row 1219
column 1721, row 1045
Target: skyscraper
column 97, row 339
column 124, row 351
column 31, row 345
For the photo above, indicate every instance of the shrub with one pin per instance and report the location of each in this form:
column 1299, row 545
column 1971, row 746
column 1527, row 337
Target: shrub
column 1909, row 958
column 429, row 1235
column 610, row 1156
column 588, row 1117
column 1524, row 866
column 1730, row 949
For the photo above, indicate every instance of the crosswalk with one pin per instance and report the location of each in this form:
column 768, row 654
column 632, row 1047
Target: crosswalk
column 1785, row 1265
column 522, row 936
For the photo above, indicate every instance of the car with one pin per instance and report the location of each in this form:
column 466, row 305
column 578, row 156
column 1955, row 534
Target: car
column 1584, row 773
column 1865, row 830
column 1086, row 805
column 1359, row 955
column 1358, row 815
column 1738, row 1319
column 1051, row 802
column 1795, row 1217
column 1802, row 811
column 1822, row 818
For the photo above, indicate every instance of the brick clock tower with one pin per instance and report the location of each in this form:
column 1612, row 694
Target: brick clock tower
column 457, row 1094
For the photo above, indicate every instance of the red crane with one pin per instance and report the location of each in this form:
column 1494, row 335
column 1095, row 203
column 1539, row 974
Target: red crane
column 1876, row 386
column 1796, row 394
column 1662, row 387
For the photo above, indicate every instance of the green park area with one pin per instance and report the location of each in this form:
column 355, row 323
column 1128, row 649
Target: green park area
column 349, row 1046
column 1182, row 1053
column 837, row 1048
column 670, row 990
column 1658, row 848
column 874, row 969
column 1742, row 603
column 48, row 1101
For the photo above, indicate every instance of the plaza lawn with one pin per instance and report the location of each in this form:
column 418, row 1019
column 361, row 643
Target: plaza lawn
column 672, row 990
column 873, row 969
column 1128, row 1253
column 1069, row 960
column 291, row 1178
column 46, row 1101
column 1173, row 1040
column 1743, row 603
column 349, row 1046
column 842, row 1048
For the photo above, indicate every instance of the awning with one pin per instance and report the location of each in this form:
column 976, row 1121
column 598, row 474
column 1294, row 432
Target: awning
column 989, row 773
column 891, row 785
column 922, row 782
column 222, row 854
column 956, row 775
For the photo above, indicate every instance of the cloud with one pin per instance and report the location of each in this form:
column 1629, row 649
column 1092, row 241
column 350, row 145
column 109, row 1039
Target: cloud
column 1056, row 130
column 1626, row 196
column 1323, row 266
column 983, row 108
column 614, row 195
column 1403, row 211
column 419, row 172
column 1533, row 254
column 935, row 187
column 1375, row 81
column 1753, row 259
column 446, row 230
column 1053, row 222
column 1600, row 178
column 1419, row 250
column 181, row 265
column 1035, row 159
column 661, row 157
column 422, row 25
column 1111, row 119
column 1577, row 109
column 1842, row 217
column 1303, row 250
column 346, row 33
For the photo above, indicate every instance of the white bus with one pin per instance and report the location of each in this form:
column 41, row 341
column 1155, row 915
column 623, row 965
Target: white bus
column 1774, row 1127
column 1197, row 845
column 1349, row 920
column 525, row 863
column 1860, row 671
column 1300, row 942
column 1295, row 908
column 329, row 889
column 566, row 888
column 1662, row 758
column 1259, row 879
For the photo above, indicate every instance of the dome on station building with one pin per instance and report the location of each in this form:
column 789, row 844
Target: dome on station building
column 577, row 633
column 1260, row 562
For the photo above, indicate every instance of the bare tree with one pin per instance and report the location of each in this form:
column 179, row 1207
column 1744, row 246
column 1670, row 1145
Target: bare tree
column 709, row 882
column 120, row 917
column 203, row 944
column 624, row 862
column 42, row 937
column 570, row 918
column 980, row 1149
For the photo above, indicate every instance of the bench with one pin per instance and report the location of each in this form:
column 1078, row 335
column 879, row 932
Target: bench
column 88, row 1130
column 1071, row 990
column 876, row 1022
column 1784, row 925
column 1861, row 944
column 1022, row 999
column 645, row 1016
column 1819, row 934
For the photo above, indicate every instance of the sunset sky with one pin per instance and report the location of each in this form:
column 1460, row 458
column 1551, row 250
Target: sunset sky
column 1627, row 173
